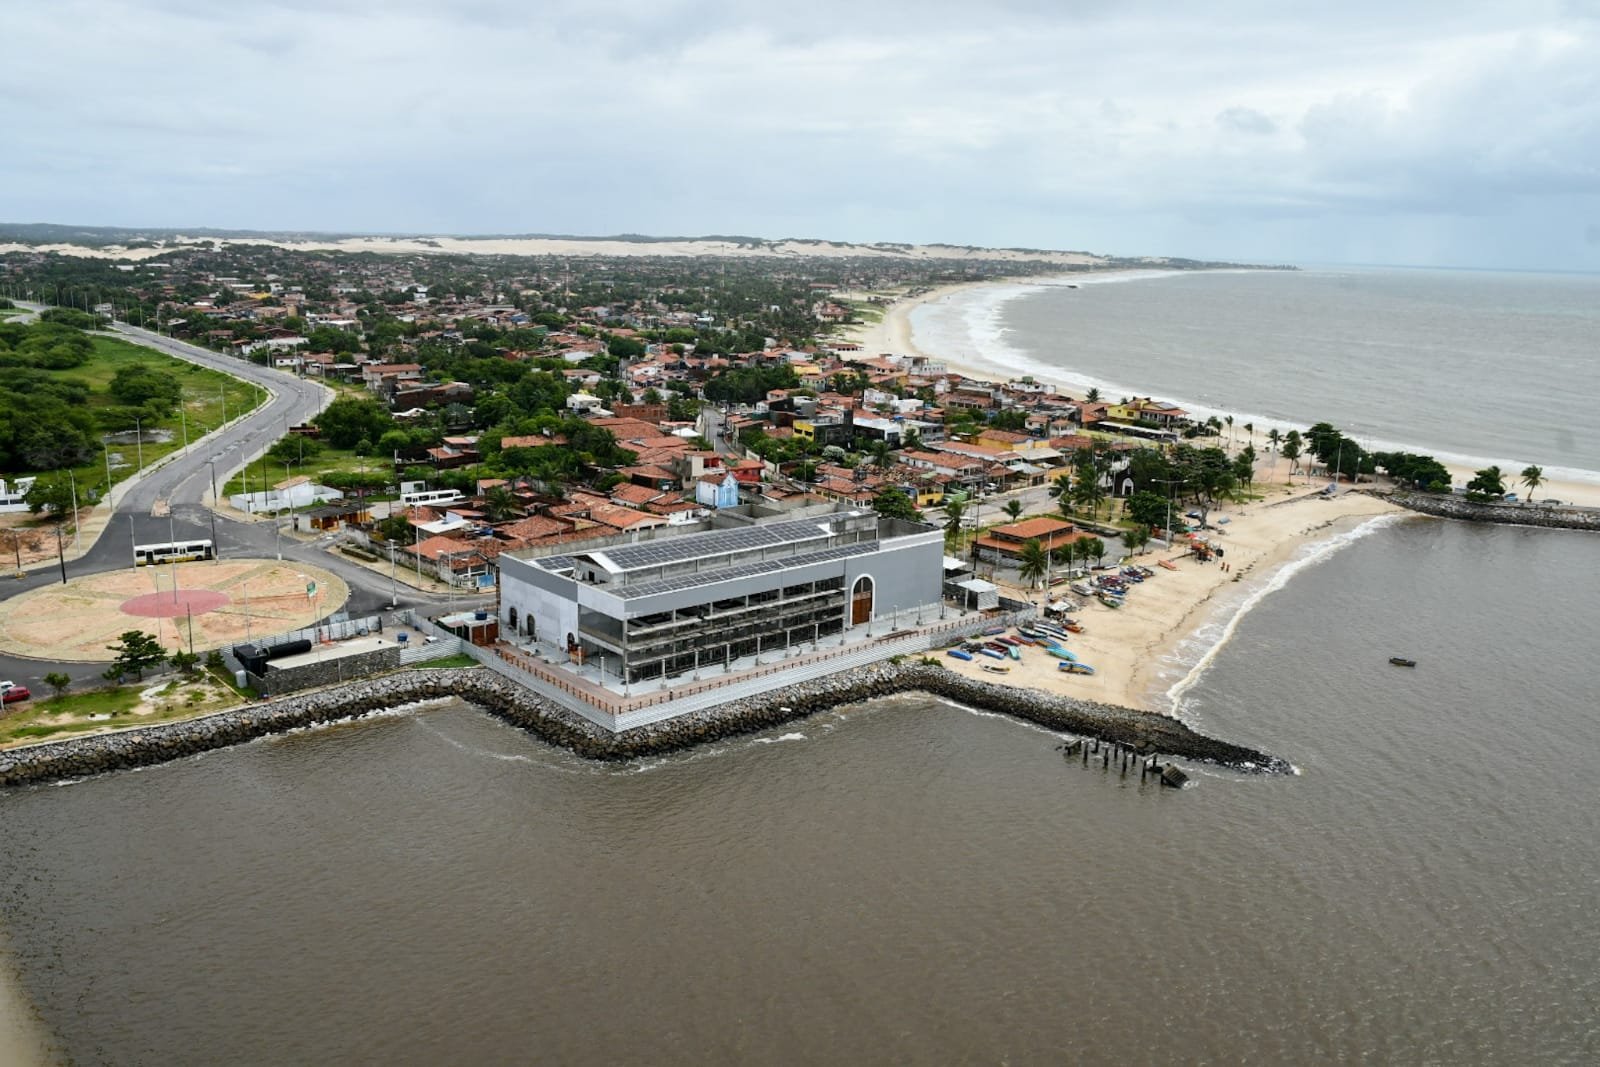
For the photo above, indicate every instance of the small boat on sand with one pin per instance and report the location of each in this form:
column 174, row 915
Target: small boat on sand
column 994, row 630
column 959, row 654
column 1167, row 563
column 1060, row 653
column 1110, row 601
column 991, row 653
column 1074, row 626
column 1072, row 667
column 1400, row 661
column 996, row 668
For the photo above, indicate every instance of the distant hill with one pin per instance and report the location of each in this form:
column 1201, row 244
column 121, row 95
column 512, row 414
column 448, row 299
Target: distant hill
column 115, row 242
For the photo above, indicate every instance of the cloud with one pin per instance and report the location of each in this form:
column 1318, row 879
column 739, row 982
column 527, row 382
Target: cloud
column 1124, row 126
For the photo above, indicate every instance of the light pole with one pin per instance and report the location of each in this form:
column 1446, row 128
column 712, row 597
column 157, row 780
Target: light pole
column 394, row 589
column 138, row 441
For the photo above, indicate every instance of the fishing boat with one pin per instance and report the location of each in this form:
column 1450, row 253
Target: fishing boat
column 1081, row 589
column 991, row 653
column 993, row 630
column 1006, row 639
column 995, row 668
column 1051, row 630
column 959, row 654
column 1060, row 653
column 1074, row 667
column 1074, row 626
column 1167, row 563
column 1110, row 601
column 1400, row 661
column 1016, row 652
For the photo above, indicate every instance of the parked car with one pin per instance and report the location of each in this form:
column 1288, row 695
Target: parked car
column 15, row 693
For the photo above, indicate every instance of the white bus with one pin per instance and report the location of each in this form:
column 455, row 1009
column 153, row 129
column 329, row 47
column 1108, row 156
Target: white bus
column 431, row 498
column 172, row 552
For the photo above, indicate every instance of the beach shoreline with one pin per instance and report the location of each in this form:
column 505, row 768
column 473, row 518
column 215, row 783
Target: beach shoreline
column 1135, row 649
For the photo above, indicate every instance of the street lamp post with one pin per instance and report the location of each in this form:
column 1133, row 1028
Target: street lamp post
column 138, row 441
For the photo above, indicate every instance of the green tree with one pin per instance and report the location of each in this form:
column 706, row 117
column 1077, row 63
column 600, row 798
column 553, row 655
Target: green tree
column 1147, row 509
column 1013, row 510
column 1136, row 539
column 1091, row 548
column 136, row 652
column 1533, row 478
column 955, row 510
column 1291, row 450
column 184, row 661
column 50, row 491
column 58, row 682
column 1487, row 483
column 349, row 420
column 1274, row 438
column 1032, row 562
column 499, row 504
column 1093, row 396
column 892, row 503
column 141, row 386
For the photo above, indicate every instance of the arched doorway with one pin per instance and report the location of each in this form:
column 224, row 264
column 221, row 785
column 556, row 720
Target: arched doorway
column 861, row 601
column 511, row 619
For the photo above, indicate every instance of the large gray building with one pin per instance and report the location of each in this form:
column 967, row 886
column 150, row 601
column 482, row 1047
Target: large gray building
column 667, row 607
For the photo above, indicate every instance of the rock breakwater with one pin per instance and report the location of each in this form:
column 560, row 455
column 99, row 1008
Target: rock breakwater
column 1449, row 506
column 1141, row 730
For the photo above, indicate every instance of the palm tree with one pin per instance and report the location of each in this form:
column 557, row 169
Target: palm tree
column 1093, row 396
column 954, row 511
column 499, row 504
column 1229, row 420
column 1135, row 539
column 1533, row 478
column 1013, row 510
column 1274, row 437
column 1032, row 563
column 882, row 455
column 1092, row 547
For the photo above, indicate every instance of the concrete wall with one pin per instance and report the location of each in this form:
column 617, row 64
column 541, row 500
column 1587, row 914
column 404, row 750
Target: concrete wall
column 330, row 671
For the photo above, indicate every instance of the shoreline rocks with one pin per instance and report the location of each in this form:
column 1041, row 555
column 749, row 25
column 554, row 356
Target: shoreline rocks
column 1449, row 506
column 1146, row 732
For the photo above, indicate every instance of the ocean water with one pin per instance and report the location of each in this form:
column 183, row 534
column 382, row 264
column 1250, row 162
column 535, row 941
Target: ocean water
column 905, row 881
column 1474, row 367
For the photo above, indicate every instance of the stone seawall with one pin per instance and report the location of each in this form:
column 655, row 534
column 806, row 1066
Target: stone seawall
column 80, row 757
column 1449, row 506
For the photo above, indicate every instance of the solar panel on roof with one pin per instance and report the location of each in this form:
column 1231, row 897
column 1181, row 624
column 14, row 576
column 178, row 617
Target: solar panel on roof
column 714, row 543
column 747, row 570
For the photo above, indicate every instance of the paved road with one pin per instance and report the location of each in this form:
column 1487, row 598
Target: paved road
column 184, row 482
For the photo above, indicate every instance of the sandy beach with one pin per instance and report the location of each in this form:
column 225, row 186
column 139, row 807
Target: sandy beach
column 1132, row 648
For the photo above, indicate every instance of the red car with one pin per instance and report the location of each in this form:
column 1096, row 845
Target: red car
column 15, row 693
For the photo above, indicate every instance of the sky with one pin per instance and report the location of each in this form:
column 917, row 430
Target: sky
column 1428, row 133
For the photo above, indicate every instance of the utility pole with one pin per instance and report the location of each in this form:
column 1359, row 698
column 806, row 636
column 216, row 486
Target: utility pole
column 61, row 555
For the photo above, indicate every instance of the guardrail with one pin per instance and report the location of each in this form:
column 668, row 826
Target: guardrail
column 617, row 712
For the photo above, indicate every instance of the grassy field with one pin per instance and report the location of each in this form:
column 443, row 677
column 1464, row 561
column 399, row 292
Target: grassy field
column 264, row 473
column 207, row 395
column 460, row 659
column 113, row 706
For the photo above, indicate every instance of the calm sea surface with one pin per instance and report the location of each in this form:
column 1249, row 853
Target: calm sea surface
column 1472, row 366
column 900, row 882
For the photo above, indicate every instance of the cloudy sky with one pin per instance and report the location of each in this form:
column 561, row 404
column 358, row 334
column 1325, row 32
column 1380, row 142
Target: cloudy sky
column 1450, row 133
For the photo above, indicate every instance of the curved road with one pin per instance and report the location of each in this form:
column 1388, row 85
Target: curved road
column 182, row 485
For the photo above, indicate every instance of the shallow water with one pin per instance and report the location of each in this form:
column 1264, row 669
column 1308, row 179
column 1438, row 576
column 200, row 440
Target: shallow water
column 900, row 881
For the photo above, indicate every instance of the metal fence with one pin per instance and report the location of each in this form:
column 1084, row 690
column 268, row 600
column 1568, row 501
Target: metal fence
column 617, row 712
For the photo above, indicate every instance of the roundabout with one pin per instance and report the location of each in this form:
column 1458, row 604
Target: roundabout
column 205, row 605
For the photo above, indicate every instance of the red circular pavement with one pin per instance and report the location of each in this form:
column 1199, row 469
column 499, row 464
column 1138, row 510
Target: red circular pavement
column 173, row 603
